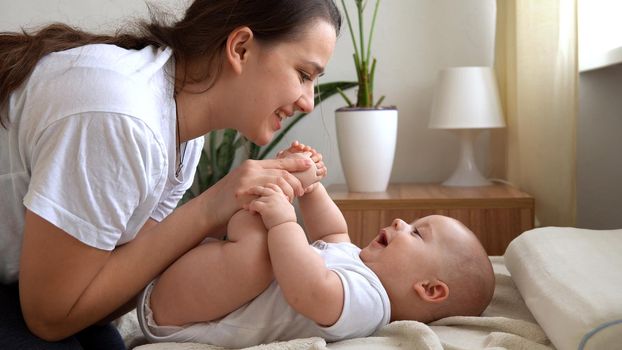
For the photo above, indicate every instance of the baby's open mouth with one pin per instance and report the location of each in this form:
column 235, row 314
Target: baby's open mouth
column 382, row 239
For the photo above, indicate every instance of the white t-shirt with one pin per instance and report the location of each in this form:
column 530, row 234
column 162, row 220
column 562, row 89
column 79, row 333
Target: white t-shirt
column 91, row 148
column 269, row 317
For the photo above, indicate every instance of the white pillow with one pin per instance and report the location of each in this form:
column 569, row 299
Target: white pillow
column 571, row 280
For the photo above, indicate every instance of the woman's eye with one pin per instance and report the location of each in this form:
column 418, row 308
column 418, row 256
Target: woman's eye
column 304, row 77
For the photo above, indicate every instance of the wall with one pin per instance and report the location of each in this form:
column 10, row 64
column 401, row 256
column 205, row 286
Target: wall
column 599, row 122
column 599, row 148
column 414, row 39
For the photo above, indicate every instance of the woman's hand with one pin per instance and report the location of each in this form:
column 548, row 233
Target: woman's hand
column 230, row 194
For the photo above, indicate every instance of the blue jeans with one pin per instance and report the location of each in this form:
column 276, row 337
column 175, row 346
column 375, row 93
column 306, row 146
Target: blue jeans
column 15, row 335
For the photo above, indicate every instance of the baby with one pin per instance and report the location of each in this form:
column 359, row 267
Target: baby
column 266, row 283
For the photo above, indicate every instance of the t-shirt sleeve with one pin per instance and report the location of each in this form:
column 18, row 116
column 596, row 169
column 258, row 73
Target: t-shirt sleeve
column 364, row 309
column 90, row 172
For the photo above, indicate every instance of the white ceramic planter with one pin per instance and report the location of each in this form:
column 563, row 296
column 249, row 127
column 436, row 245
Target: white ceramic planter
column 366, row 139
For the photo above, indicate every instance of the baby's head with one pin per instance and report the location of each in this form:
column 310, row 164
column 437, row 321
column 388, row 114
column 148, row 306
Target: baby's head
column 432, row 268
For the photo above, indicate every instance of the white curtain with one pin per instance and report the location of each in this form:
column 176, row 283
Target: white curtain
column 536, row 64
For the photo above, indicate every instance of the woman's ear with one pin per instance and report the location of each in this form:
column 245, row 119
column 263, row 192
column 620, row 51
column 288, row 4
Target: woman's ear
column 238, row 43
column 432, row 291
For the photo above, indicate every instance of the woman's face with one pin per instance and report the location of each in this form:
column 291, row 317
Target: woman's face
column 278, row 80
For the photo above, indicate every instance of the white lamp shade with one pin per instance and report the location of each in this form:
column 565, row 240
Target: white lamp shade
column 466, row 98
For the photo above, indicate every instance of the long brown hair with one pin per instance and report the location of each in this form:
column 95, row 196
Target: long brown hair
column 201, row 33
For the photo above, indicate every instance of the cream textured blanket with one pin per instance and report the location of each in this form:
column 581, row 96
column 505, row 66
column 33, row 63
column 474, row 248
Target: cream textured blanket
column 506, row 324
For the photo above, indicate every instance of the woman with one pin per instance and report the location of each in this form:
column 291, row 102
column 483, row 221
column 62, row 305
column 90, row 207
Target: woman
column 100, row 138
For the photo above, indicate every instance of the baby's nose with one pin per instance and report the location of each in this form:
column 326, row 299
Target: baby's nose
column 398, row 223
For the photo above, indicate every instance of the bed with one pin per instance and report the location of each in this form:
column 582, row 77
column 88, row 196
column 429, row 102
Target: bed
column 556, row 288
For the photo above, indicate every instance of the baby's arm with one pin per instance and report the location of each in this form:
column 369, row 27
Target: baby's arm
column 308, row 286
column 323, row 219
column 217, row 277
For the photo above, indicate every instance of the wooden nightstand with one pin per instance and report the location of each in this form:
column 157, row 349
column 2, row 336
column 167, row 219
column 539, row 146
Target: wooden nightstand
column 496, row 214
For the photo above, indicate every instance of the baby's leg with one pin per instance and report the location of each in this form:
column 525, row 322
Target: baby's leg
column 215, row 278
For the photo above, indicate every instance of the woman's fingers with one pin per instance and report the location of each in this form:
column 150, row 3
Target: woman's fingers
column 290, row 164
column 274, row 171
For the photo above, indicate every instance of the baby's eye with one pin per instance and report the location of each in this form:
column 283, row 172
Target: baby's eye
column 415, row 232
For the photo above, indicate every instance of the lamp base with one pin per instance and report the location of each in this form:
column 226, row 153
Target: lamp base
column 467, row 174
column 470, row 180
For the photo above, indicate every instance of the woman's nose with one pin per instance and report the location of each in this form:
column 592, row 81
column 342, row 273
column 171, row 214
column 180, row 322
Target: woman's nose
column 305, row 103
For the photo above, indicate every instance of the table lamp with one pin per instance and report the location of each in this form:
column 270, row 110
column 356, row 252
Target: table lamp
column 466, row 101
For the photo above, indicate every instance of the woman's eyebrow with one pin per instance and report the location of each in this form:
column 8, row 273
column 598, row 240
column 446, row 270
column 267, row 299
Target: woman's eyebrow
column 317, row 68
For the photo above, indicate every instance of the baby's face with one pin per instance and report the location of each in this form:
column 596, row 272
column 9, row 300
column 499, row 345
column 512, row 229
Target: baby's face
column 403, row 248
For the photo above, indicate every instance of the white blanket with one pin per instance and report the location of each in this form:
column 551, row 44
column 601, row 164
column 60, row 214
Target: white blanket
column 506, row 324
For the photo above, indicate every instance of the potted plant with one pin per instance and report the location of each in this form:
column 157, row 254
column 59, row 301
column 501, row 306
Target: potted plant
column 218, row 156
column 366, row 131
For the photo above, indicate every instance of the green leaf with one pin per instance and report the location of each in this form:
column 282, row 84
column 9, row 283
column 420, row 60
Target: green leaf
column 226, row 151
column 348, row 101
column 362, row 51
column 253, row 152
column 377, row 105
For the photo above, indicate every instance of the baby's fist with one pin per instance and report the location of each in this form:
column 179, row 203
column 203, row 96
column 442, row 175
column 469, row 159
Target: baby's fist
column 272, row 204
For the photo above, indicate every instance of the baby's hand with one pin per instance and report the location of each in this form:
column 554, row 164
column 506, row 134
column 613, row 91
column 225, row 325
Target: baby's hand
column 272, row 204
column 311, row 176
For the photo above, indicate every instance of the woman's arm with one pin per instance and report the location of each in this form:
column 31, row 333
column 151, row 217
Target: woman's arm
column 66, row 285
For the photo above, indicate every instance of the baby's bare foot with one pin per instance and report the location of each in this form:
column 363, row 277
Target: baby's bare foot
column 295, row 147
column 307, row 177
column 316, row 157
column 313, row 174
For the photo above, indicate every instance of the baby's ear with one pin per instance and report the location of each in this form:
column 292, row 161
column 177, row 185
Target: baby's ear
column 431, row 291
